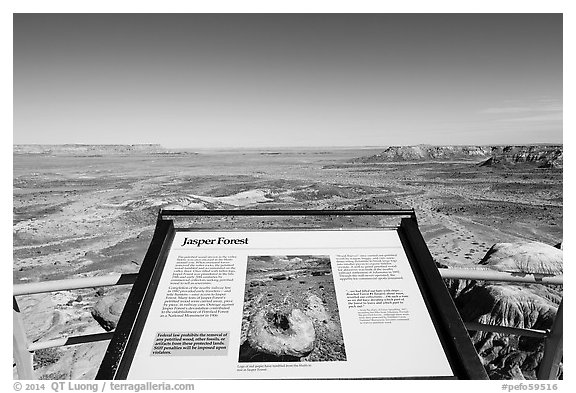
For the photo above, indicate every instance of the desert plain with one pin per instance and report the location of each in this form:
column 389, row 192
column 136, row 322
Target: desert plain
column 82, row 211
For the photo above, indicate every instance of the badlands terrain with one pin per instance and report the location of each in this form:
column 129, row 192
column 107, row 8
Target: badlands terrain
column 90, row 210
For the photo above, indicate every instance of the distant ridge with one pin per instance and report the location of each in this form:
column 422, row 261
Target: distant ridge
column 545, row 156
column 92, row 150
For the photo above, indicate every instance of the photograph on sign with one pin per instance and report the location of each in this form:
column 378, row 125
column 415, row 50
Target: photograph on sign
column 290, row 310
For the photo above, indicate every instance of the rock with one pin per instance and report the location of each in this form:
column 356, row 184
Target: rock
column 316, row 310
column 524, row 257
column 40, row 317
column 508, row 373
column 108, row 309
column 509, row 305
column 280, row 334
column 523, row 306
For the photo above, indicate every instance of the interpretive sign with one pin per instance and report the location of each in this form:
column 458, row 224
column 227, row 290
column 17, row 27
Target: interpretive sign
column 283, row 304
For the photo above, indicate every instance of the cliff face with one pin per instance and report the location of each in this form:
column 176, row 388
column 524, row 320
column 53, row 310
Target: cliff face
column 540, row 155
column 427, row 152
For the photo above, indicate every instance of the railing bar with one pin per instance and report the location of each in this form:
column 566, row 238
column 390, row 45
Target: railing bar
column 260, row 213
column 475, row 326
column 75, row 283
column 130, row 278
column 72, row 340
column 491, row 275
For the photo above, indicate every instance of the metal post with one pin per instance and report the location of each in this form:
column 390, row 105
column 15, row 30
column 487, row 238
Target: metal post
column 550, row 363
column 22, row 356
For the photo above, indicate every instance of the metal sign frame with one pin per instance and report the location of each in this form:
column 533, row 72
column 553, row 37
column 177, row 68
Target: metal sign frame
column 462, row 357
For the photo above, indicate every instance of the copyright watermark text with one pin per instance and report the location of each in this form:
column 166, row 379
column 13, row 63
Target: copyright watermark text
column 509, row 387
column 104, row 386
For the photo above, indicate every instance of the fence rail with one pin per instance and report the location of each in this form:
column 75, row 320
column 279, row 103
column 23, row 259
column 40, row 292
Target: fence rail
column 492, row 275
column 23, row 350
column 74, row 283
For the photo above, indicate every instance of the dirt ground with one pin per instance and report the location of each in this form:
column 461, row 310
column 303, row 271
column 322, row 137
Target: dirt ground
column 85, row 216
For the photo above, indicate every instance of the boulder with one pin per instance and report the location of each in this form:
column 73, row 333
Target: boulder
column 502, row 304
column 108, row 309
column 280, row 334
column 524, row 257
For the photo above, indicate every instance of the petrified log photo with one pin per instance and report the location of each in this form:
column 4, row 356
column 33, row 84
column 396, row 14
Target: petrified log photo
column 290, row 311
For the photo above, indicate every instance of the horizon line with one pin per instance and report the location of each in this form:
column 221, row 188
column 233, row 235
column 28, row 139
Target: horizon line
column 287, row 147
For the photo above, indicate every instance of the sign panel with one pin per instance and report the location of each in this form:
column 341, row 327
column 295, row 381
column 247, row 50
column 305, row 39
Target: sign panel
column 287, row 304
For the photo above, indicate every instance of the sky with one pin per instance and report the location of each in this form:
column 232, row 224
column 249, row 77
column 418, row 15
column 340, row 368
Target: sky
column 282, row 80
